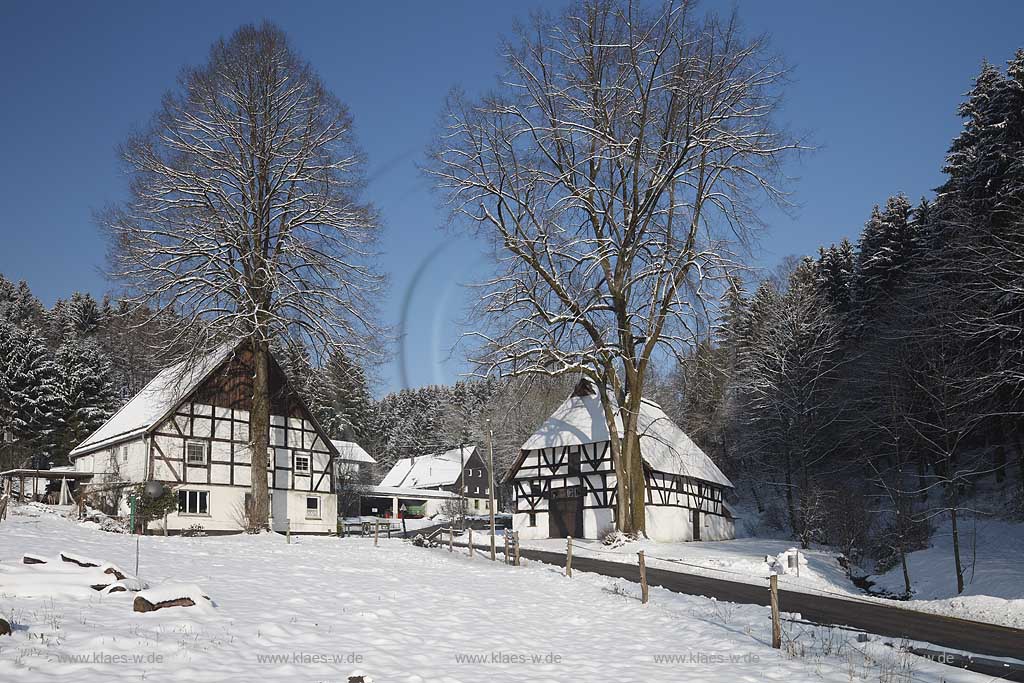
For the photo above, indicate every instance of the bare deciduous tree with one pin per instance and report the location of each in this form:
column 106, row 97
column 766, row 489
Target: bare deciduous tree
column 613, row 167
column 243, row 215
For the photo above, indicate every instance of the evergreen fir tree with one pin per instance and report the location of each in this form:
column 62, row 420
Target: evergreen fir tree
column 29, row 398
column 883, row 258
column 85, row 391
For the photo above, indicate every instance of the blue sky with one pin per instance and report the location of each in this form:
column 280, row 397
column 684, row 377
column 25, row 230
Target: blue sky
column 875, row 84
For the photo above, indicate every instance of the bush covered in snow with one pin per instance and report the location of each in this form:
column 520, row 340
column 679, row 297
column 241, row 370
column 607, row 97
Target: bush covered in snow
column 613, row 538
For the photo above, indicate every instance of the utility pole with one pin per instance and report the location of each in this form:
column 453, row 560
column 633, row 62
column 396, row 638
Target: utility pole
column 490, row 483
column 462, row 487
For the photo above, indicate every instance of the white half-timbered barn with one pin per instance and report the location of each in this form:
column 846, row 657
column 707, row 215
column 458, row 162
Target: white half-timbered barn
column 189, row 428
column 564, row 480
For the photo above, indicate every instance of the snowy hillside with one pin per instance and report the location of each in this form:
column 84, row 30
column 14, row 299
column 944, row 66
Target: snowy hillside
column 993, row 555
column 327, row 608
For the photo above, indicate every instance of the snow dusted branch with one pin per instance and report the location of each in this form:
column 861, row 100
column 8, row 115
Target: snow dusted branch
column 243, row 216
column 615, row 169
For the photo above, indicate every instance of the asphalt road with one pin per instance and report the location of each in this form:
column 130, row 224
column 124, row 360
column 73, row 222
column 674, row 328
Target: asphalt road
column 959, row 634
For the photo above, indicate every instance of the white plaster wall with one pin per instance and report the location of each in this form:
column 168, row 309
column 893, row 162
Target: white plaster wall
column 717, row 528
column 521, row 523
column 596, row 521
column 668, row 524
column 671, row 524
column 225, row 503
column 291, row 506
column 85, row 463
column 101, row 462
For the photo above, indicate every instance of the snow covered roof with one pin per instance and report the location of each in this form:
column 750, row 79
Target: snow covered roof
column 664, row 446
column 350, row 451
column 406, row 492
column 428, row 471
column 169, row 388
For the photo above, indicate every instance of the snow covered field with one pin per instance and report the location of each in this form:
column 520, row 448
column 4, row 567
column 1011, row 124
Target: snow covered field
column 995, row 574
column 327, row 608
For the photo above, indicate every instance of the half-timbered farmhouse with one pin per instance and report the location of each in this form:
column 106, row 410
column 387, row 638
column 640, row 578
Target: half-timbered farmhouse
column 189, row 428
column 564, row 480
column 460, row 471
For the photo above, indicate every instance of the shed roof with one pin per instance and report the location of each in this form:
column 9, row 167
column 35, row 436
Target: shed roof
column 350, row 451
column 406, row 492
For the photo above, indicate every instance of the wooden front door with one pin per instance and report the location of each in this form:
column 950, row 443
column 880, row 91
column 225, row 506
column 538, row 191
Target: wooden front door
column 565, row 512
column 696, row 524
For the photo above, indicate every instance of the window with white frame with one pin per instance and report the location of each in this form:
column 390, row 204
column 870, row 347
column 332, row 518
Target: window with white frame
column 195, row 453
column 312, row 507
column 193, row 502
column 301, row 464
column 124, row 454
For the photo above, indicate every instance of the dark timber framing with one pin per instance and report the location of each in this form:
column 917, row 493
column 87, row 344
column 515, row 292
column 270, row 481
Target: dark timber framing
column 537, row 473
column 216, row 412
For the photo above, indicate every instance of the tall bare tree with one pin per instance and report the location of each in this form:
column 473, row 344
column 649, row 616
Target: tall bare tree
column 244, row 215
column 613, row 167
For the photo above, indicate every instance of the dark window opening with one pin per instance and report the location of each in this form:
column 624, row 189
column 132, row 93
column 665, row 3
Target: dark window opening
column 194, row 502
column 574, row 462
column 533, row 519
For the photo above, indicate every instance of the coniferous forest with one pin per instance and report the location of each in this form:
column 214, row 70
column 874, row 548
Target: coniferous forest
column 861, row 395
column 871, row 391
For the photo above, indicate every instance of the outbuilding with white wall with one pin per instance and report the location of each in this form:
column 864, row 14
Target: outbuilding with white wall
column 564, row 481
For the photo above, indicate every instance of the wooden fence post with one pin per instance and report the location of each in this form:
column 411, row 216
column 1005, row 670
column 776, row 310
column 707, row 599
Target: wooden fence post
column 643, row 579
column 471, row 541
column 515, row 539
column 773, row 582
column 506, row 547
column 451, row 539
column 376, row 531
column 568, row 557
column 288, row 530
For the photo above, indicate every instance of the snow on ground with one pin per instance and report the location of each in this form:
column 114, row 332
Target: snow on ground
column 995, row 596
column 992, row 552
column 742, row 559
column 327, row 608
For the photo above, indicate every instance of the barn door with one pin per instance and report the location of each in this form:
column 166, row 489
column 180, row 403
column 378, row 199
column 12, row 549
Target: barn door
column 696, row 524
column 565, row 512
